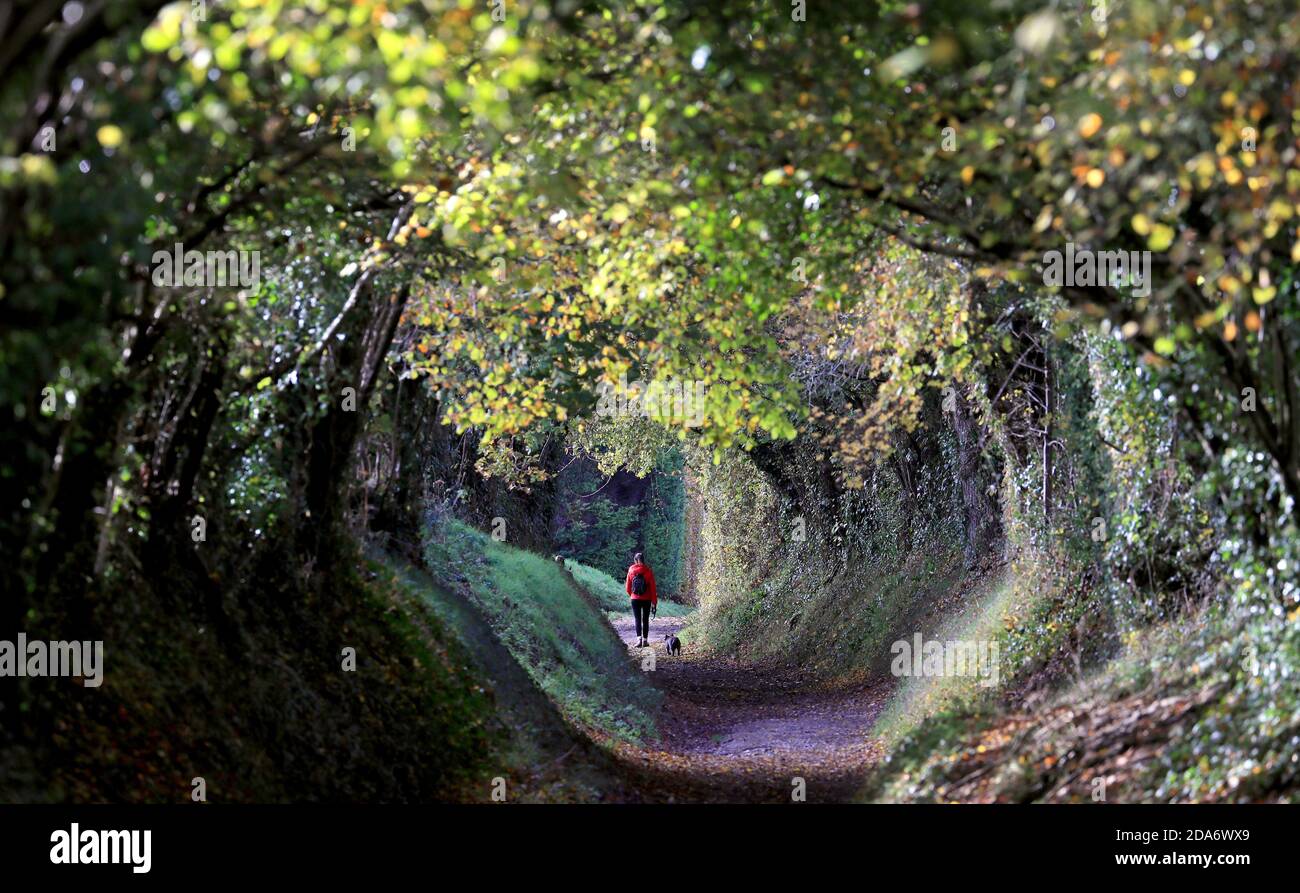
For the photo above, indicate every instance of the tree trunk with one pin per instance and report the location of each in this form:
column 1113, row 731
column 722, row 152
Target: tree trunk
column 977, row 477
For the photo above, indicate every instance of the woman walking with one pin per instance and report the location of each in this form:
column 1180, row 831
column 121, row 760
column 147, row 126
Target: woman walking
column 645, row 597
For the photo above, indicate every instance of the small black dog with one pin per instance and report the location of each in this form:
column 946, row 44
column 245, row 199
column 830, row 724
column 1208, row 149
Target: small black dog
column 673, row 644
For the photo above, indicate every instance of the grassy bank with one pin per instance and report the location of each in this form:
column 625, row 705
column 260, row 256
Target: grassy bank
column 609, row 593
column 555, row 630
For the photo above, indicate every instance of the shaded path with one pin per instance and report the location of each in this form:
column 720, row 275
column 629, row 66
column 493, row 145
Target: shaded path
column 736, row 732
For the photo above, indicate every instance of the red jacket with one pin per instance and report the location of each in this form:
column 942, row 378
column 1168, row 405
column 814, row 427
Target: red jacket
column 650, row 591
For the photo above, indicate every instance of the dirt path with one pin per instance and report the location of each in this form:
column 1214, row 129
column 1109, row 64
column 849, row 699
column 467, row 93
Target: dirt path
column 737, row 732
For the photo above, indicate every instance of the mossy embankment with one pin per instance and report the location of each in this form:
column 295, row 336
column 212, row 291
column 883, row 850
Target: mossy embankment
column 554, row 627
column 341, row 689
column 1195, row 709
column 542, row 756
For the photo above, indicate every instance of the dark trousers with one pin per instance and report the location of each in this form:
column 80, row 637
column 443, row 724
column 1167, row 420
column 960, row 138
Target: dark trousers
column 641, row 614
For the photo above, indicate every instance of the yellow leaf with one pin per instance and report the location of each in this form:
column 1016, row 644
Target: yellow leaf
column 1161, row 237
column 110, row 136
